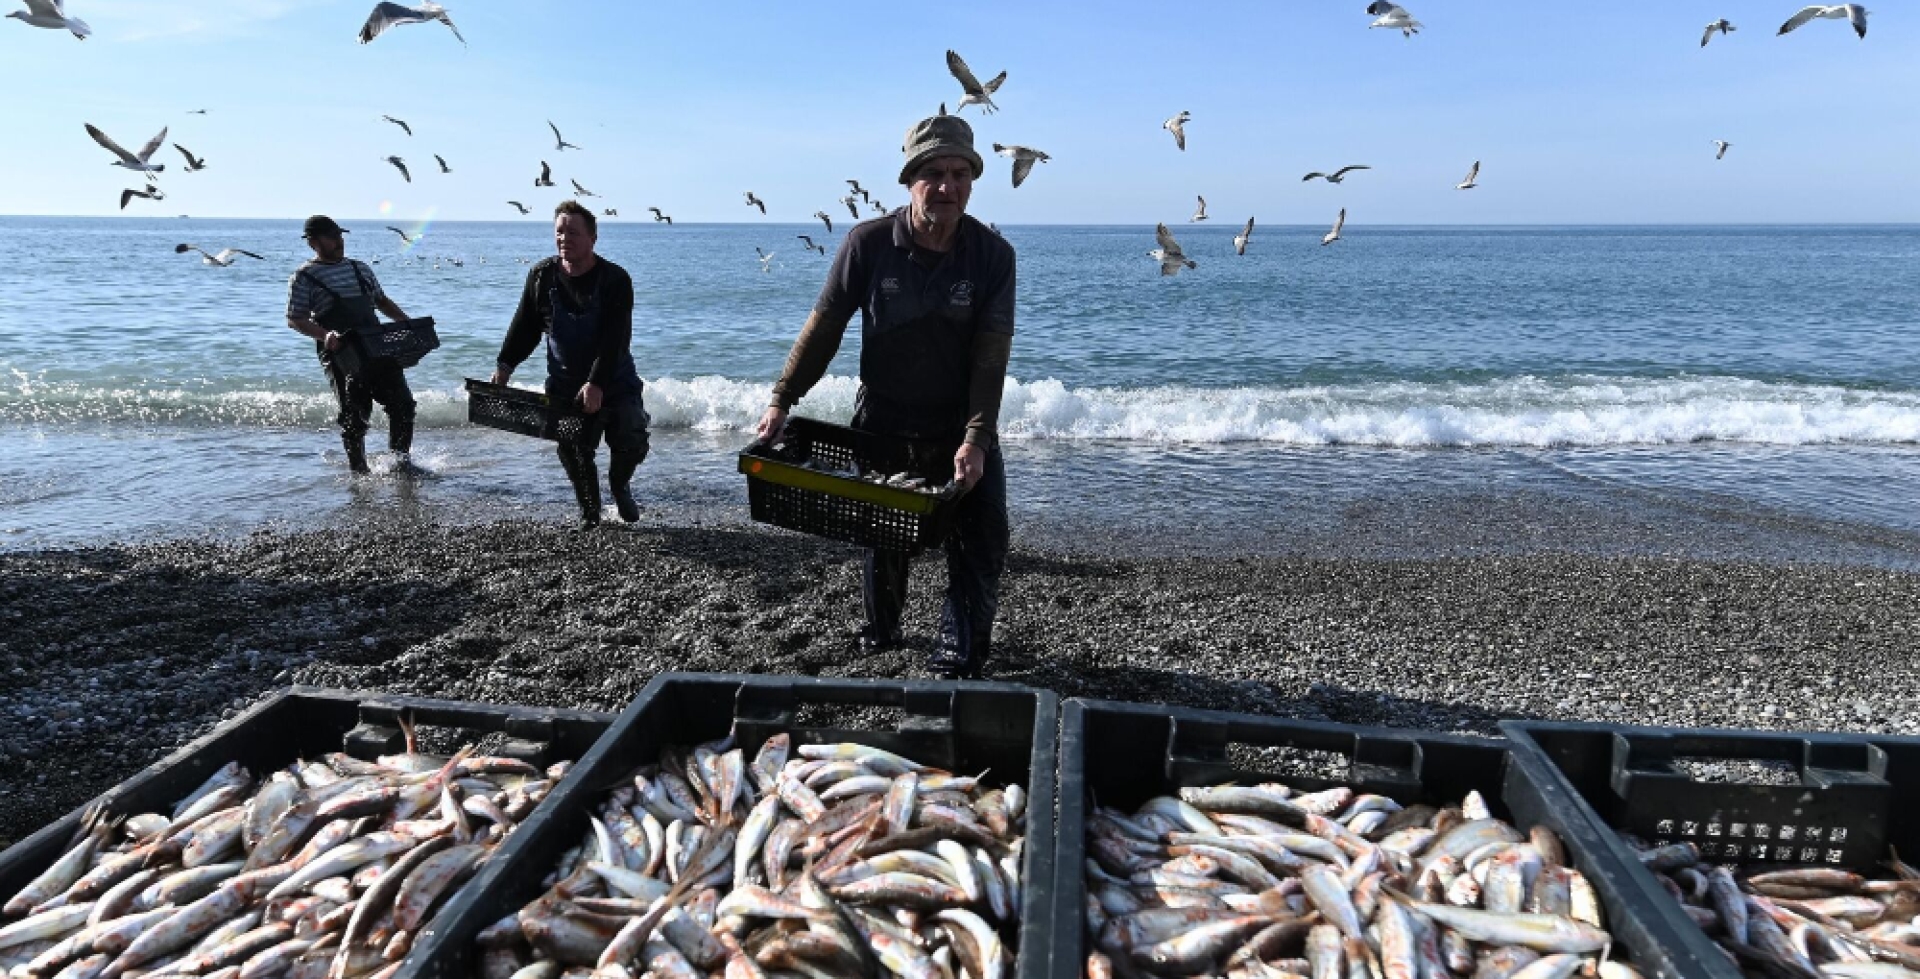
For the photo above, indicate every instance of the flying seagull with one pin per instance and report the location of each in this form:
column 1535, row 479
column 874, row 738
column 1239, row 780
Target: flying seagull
column 224, row 258
column 524, row 211
column 852, row 208
column 1023, row 159
column 611, row 212
column 387, row 15
column 977, row 94
column 128, row 160
column 401, row 165
column 1853, row 13
column 1169, row 253
column 152, row 193
column 657, row 216
column 1240, row 240
column 437, row 158
column 1338, row 223
column 546, row 176
column 857, row 189
column 1393, row 17
column 878, row 208
column 753, row 201
column 1201, row 213
column 1722, row 151
column 579, row 191
column 52, row 14
column 766, row 259
column 1178, row 127
column 404, row 237
column 808, row 241
column 402, row 124
column 193, row 162
column 1473, row 174
column 1334, row 177
column 822, row 215
column 196, row 112
column 1723, row 25
column 559, row 145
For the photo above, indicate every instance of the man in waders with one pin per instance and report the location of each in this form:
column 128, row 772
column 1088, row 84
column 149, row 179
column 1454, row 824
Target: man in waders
column 934, row 289
column 329, row 298
column 583, row 305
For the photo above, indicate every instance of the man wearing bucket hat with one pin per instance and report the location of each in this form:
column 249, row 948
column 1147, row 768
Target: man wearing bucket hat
column 330, row 297
column 935, row 293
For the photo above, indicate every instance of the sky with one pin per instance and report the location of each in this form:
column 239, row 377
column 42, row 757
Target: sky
column 1595, row 114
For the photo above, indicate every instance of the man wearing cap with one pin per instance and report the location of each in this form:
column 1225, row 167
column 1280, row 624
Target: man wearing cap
column 934, row 289
column 330, row 297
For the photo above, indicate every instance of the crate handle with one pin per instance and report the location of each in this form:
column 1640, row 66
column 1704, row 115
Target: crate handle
column 778, row 703
column 1388, row 765
column 1818, row 762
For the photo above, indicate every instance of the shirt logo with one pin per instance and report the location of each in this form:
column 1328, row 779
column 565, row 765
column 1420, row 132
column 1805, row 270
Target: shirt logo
column 962, row 294
column 889, row 285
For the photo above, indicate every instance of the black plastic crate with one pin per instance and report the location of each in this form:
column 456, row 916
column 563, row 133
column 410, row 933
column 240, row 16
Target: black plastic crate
column 1125, row 754
column 522, row 412
column 1839, row 803
column 783, row 491
column 1004, row 729
column 306, row 722
column 401, row 341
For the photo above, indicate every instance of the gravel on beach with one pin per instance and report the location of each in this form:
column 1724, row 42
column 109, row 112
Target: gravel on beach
column 112, row 656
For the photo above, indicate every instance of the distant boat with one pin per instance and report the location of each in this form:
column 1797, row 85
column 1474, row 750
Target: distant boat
column 183, row 217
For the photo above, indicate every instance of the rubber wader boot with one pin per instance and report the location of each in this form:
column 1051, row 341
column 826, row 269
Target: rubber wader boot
column 620, row 481
column 400, row 440
column 356, row 446
column 585, row 477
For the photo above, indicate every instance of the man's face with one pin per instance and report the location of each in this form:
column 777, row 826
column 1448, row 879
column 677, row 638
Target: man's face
column 328, row 246
column 941, row 188
column 571, row 239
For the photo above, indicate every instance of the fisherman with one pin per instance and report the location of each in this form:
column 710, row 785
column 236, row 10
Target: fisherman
column 934, row 289
column 583, row 305
column 330, row 298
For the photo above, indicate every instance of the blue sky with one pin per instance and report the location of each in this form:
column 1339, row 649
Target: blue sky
column 1607, row 117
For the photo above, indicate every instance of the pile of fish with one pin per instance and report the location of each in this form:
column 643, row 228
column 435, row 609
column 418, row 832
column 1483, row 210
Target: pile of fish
column 323, row 870
column 851, row 470
column 1801, row 922
column 841, row 860
column 1261, row 881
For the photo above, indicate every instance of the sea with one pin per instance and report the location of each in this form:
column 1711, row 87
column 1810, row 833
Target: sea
column 1406, row 390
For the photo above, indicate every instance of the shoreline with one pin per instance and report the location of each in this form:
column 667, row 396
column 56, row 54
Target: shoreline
column 113, row 655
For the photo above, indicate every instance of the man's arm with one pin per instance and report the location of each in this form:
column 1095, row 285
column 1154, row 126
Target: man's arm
column 391, row 308
column 300, row 313
column 523, row 334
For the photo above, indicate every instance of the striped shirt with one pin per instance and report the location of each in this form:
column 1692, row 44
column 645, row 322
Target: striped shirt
column 304, row 300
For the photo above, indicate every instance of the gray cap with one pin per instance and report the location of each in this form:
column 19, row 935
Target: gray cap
column 937, row 136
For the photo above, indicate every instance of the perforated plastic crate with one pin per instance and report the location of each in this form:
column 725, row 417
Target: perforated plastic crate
column 401, row 341
column 788, row 487
column 522, row 412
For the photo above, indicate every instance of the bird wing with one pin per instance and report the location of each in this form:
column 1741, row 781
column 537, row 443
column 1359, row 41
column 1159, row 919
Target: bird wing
column 191, row 162
column 437, row 158
column 1805, row 14
column 242, row 251
column 45, row 8
column 546, row 172
column 806, row 239
column 396, row 161
column 1165, row 239
column 1857, row 16
column 387, row 15
column 1247, row 232
column 1472, row 172
column 1381, row 8
column 1708, row 36
column 1179, row 134
column 402, row 234
column 958, row 66
column 1312, row 175
column 556, row 131
column 1343, row 170
column 1021, row 167
column 1340, row 222
column 994, row 85
column 112, row 147
column 127, row 195
column 182, row 249
column 153, row 145
column 576, row 186
column 444, row 19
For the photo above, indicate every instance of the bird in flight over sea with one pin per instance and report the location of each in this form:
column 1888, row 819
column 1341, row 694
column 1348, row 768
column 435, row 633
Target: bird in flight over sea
column 52, row 14
column 546, row 176
column 1201, row 213
column 522, row 208
column 977, row 94
column 753, row 201
column 766, row 259
column 1722, row 151
column 1473, row 176
column 611, row 212
column 387, row 15
column 1178, row 127
column 1338, row 223
column 193, row 162
column 437, row 158
column 196, row 112
column 1723, row 25
column 152, row 193
column 857, row 189
column 807, row 240
column 1852, row 13
column 579, row 191
column 1170, row 256
column 400, row 165
column 822, row 215
column 657, row 216
column 399, row 122
column 404, row 237
column 131, row 161
column 852, row 207
column 1240, row 240
column 559, row 144
column 1023, row 159
column 1336, row 176
column 1393, row 17
column 223, row 258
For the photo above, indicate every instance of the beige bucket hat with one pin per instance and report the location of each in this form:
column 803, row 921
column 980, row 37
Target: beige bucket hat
column 937, row 136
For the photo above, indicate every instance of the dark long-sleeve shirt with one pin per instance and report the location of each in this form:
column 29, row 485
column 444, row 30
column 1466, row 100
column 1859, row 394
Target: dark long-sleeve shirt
column 535, row 314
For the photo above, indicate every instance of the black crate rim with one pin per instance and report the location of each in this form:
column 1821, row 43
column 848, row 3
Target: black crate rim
column 839, row 516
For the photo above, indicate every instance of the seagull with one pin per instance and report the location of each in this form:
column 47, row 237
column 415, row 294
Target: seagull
column 857, row 189
column 657, row 216
column 1240, row 240
column 1473, row 174
column 1723, row 25
column 1178, row 127
column 222, row 260
column 822, row 215
column 196, row 112
column 401, row 165
column 559, row 144
column 546, row 176
column 1201, row 214
column 1334, row 177
column 878, row 208
column 1169, row 253
column 753, row 201
column 524, row 211
column 1722, row 152
column 1338, row 223
column 611, row 212
column 399, row 123
column 387, row 15
column 1393, row 17
column 766, row 259
column 808, row 241
column 152, row 193
column 852, row 208
column 437, row 158
column 128, row 160
column 1023, row 159
column 193, row 162
column 404, row 237
column 977, row 94
column 1850, row 12
column 52, row 14
column 579, row 191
